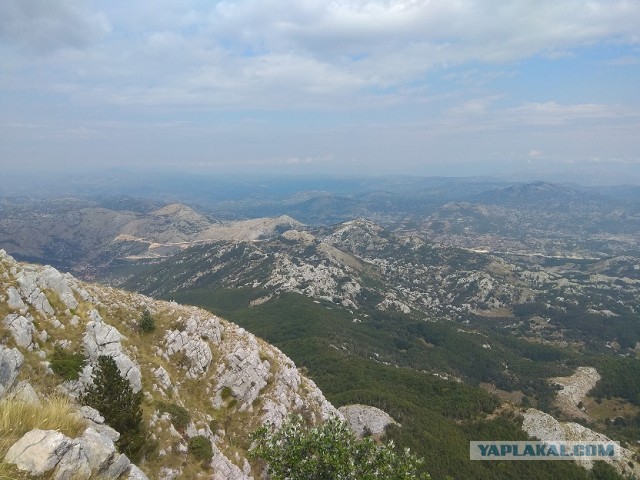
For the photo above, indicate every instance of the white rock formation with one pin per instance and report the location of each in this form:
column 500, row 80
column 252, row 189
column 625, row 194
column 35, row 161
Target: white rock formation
column 102, row 339
column 41, row 452
column 574, row 389
column 21, row 328
column 363, row 418
column 10, row 362
column 544, row 427
column 14, row 301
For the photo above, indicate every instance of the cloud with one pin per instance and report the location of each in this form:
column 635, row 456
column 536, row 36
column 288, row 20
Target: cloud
column 552, row 113
column 44, row 26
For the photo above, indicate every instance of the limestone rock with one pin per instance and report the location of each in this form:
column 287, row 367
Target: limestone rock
column 38, row 451
column 163, row 377
column 28, row 286
column 223, row 469
column 135, row 474
column 14, row 301
column 363, row 417
column 51, row 279
column 21, row 328
column 544, row 427
column 574, row 389
column 245, row 374
column 24, row 392
column 10, row 362
column 74, row 465
column 102, row 339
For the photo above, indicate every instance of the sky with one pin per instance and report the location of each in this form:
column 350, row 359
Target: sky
column 419, row 87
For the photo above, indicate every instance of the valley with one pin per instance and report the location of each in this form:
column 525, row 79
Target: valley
column 457, row 306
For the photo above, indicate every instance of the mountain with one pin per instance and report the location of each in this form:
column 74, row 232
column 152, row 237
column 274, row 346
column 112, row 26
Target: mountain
column 86, row 238
column 463, row 308
column 358, row 301
column 537, row 218
column 220, row 381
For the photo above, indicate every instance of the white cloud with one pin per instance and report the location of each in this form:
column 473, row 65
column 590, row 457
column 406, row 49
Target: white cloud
column 552, row 113
column 45, row 26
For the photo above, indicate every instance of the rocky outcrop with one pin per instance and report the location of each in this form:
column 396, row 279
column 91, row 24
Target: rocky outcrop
column 364, row 419
column 41, row 452
column 102, row 339
column 38, row 451
column 195, row 363
column 10, row 362
column 574, row 389
column 544, row 427
column 21, row 329
column 14, row 300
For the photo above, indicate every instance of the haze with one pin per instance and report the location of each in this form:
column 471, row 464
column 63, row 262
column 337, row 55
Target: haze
column 521, row 88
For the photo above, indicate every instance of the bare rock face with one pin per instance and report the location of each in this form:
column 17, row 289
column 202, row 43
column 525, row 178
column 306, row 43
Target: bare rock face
column 363, row 419
column 574, row 389
column 102, row 339
column 24, row 392
column 21, row 328
column 40, row 452
column 10, row 362
column 544, row 427
column 14, row 301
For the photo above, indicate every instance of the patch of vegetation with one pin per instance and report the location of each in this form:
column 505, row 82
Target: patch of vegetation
column 330, row 450
column 147, row 322
column 180, row 416
column 67, row 365
column 112, row 395
column 226, row 393
column 200, row 448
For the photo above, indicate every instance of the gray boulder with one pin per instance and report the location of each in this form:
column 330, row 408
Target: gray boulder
column 136, row 474
column 10, row 362
column 38, row 451
column 362, row 418
column 102, row 339
column 21, row 329
column 25, row 393
column 15, row 300
column 92, row 454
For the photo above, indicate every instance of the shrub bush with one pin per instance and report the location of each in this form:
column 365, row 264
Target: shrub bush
column 330, row 450
column 66, row 364
column 200, row 447
column 180, row 416
column 147, row 322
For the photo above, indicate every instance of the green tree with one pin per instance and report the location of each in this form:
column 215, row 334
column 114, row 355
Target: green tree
column 147, row 322
column 330, row 451
column 112, row 395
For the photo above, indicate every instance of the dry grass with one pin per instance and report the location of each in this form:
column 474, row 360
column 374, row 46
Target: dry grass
column 55, row 413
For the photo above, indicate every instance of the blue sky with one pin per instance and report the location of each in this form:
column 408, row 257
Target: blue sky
column 431, row 87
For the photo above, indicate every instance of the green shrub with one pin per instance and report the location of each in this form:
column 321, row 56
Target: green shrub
column 180, row 416
column 226, row 393
column 112, row 395
column 147, row 322
column 200, row 447
column 330, row 450
column 66, row 364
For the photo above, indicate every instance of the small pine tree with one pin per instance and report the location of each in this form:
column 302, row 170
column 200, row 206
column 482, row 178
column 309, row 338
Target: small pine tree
column 147, row 322
column 112, row 395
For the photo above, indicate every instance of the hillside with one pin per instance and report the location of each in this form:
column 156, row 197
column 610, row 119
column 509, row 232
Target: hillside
column 215, row 379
